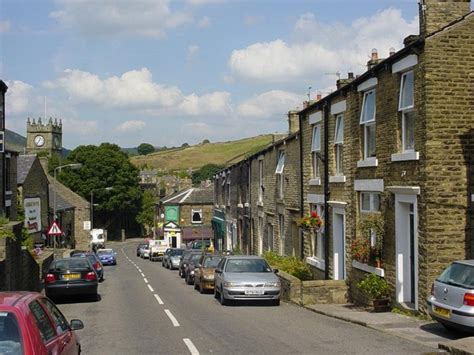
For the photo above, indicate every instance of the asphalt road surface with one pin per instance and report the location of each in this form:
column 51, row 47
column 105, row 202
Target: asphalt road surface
column 147, row 309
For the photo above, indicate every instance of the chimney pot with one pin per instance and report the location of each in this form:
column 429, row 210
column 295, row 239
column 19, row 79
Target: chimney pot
column 350, row 75
column 392, row 51
column 375, row 55
column 318, row 96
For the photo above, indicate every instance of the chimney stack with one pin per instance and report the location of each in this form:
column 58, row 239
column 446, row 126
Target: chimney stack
column 343, row 82
column 319, row 96
column 293, row 122
column 391, row 51
column 436, row 14
column 374, row 59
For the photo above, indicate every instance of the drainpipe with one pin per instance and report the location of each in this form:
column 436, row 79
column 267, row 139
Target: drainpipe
column 326, row 190
column 300, row 119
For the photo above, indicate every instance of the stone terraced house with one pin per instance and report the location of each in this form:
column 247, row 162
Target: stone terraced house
column 393, row 147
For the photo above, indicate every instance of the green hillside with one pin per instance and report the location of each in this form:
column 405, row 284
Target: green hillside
column 196, row 156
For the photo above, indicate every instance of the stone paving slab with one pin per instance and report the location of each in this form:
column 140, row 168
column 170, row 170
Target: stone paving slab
column 460, row 346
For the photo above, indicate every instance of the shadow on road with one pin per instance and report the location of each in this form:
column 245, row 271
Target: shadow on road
column 244, row 303
column 77, row 299
column 439, row 330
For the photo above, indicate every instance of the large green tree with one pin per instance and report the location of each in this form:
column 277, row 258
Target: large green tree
column 105, row 167
column 204, row 173
column 145, row 148
column 146, row 216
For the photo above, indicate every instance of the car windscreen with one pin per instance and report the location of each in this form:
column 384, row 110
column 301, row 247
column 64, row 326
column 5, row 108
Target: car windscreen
column 194, row 258
column 176, row 252
column 10, row 339
column 105, row 252
column 212, row 261
column 247, row 265
column 458, row 274
column 72, row 263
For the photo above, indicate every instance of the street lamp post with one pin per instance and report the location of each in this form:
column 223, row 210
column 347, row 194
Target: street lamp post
column 92, row 203
column 74, row 166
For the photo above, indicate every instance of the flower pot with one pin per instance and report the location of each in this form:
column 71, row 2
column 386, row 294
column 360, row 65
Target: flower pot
column 381, row 305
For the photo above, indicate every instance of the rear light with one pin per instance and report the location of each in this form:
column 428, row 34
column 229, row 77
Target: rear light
column 432, row 289
column 50, row 278
column 91, row 276
column 469, row 299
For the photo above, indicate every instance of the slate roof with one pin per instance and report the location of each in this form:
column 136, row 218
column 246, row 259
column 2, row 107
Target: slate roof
column 61, row 203
column 191, row 196
column 24, row 164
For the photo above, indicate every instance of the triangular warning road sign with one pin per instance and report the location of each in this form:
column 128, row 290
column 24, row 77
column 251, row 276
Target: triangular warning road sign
column 54, row 229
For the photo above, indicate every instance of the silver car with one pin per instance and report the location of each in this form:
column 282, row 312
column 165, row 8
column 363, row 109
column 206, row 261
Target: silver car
column 246, row 278
column 452, row 296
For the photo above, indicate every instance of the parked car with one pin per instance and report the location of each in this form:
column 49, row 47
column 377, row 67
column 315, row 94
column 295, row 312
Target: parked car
column 140, row 247
column 30, row 323
column 451, row 302
column 182, row 263
column 107, row 256
column 95, row 261
column 201, row 244
column 190, row 265
column 145, row 252
column 165, row 257
column 173, row 258
column 246, row 278
column 204, row 272
column 70, row 277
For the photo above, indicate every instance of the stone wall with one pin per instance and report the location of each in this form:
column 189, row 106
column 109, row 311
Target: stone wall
column 313, row 291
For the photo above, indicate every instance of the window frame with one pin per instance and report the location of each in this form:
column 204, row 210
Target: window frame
column 281, row 230
column 371, row 195
column 403, row 77
column 279, row 173
column 260, row 181
column 315, row 150
column 339, row 144
column 270, row 237
column 369, row 123
column 199, row 211
column 406, row 111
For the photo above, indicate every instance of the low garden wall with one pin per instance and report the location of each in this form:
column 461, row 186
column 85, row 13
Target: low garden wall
column 312, row 291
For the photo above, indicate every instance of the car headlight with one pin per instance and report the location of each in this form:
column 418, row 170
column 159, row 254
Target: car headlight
column 192, row 272
column 272, row 284
column 232, row 284
column 208, row 277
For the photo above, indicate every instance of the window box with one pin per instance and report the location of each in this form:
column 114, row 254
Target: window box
column 367, row 268
column 337, row 179
column 368, row 163
column 315, row 182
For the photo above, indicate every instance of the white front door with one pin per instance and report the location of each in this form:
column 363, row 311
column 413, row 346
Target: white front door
column 406, row 248
column 338, row 240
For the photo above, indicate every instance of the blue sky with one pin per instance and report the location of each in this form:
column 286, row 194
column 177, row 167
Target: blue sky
column 170, row 72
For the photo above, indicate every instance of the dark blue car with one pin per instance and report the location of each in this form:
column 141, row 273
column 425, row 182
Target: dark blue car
column 107, row 256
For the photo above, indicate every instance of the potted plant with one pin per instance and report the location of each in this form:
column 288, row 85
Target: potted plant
column 311, row 222
column 371, row 228
column 376, row 288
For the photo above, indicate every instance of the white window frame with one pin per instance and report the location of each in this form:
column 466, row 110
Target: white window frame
column 368, row 122
column 193, row 211
column 260, row 181
column 279, row 173
column 315, row 150
column 406, row 110
column 339, row 144
column 372, row 207
column 281, row 230
column 270, row 236
column 228, row 186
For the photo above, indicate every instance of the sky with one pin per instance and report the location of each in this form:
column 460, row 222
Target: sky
column 172, row 72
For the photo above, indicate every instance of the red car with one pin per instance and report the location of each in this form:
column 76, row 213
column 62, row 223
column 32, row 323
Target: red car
column 30, row 323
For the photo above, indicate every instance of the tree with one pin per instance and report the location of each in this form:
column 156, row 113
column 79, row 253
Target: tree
column 184, row 145
column 206, row 141
column 145, row 148
column 146, row 216
column 102, row 167
column 204, row 173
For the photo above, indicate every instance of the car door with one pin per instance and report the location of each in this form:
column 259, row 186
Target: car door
column 67, row 337
column 218, row 275
column 46, row 328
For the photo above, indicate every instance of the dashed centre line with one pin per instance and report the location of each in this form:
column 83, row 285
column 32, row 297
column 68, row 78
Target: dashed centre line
column 192, row 349
column 172, row 318
column 158, row 299
column 151, row 288
column 144, row 279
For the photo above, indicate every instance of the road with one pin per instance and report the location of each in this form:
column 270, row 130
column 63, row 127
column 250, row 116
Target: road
column 146, row 309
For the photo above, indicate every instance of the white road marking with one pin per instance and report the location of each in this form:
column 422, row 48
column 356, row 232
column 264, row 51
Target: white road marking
column 139, row 270
column 151, row 288
column 172, row 318
column 192, row 349
column 143, row 275
column 144, row 279
column 158, row 299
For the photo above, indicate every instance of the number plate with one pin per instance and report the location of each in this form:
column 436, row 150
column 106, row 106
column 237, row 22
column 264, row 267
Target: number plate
column 71, row 276
column 254, row 292
column 441, row 311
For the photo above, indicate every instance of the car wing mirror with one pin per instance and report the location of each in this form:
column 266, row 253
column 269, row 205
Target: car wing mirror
column 76, row 324
column 275, row 271
column 218, row 271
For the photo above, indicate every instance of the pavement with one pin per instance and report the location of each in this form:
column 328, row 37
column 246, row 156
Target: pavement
column 426, row 332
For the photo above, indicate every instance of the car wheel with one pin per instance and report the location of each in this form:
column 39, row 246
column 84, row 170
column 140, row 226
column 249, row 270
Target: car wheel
column 215, row 292
column 195, row 284
column 222, row 299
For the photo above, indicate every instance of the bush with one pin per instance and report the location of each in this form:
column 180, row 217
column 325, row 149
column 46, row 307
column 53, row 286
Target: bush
column 374, row 286
column 289, row 264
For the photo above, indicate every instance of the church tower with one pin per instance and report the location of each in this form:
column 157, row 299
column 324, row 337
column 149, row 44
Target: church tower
column 44, row 138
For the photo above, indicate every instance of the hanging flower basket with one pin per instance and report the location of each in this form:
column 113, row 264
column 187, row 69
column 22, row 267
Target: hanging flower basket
column 312, row 222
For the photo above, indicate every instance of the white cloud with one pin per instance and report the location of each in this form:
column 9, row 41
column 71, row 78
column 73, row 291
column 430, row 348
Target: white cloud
column 81, row 127
column 131, row 126
column 204, row 2
column 148, row 18
column 4, row 26
column 250, row 20
column 134, row 88
column 318, row 48
column 275, row 102
column 205, row 22
column 193, row 49
column 19, row 98
column 213, row 103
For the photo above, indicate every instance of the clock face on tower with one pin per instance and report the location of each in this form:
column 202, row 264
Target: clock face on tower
column 39, row 141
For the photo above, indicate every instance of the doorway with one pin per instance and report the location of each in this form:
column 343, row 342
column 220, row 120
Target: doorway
column 339, row 244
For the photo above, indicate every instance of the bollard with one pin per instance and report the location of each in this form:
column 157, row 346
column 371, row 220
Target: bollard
column 123, row 235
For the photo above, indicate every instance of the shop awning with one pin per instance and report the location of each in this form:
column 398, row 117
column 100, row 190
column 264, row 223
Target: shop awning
column 193, row 233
